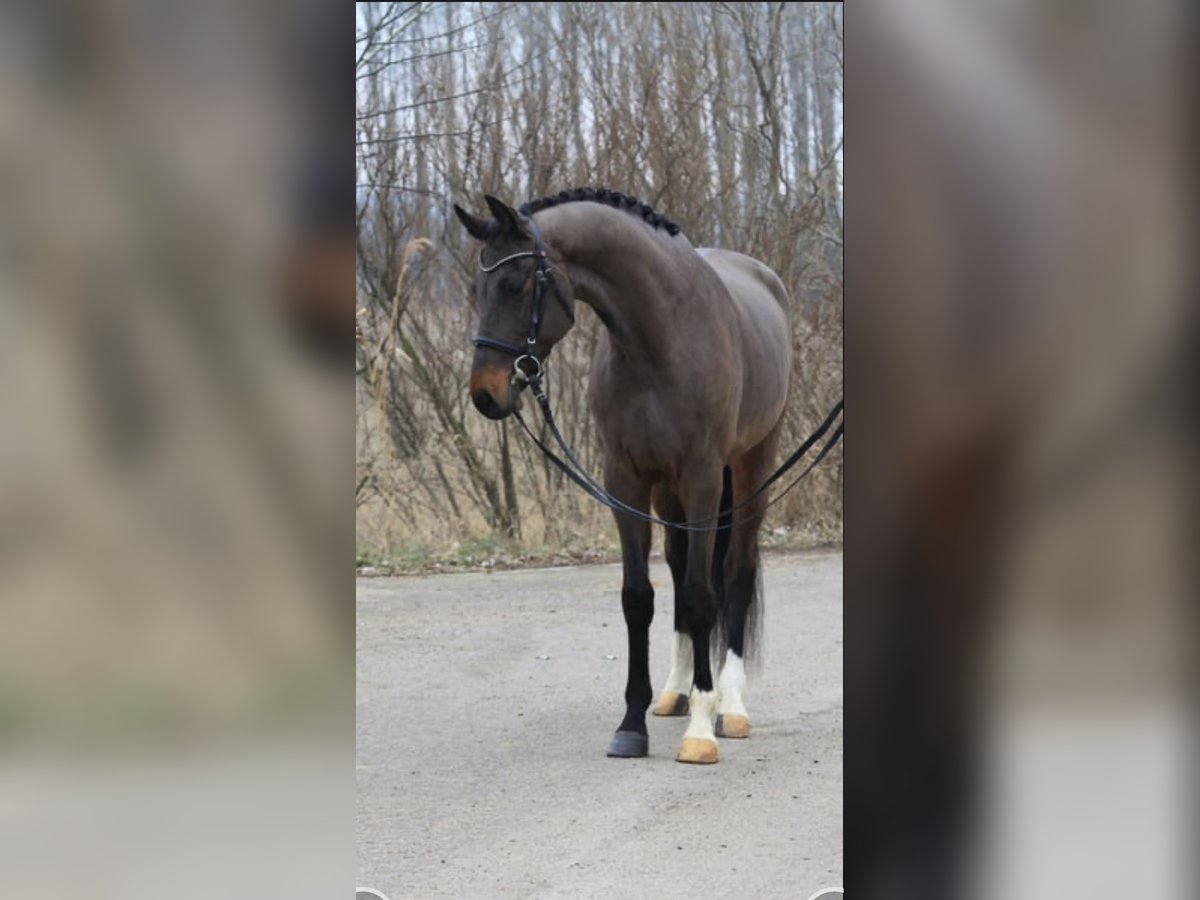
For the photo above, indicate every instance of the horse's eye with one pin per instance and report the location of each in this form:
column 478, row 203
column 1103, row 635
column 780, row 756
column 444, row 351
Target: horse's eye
column 513, row 286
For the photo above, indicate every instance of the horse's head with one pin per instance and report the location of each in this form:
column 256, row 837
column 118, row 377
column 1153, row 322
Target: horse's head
column 524, row 302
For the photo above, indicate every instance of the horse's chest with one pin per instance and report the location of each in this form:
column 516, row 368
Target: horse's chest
column 638, row 430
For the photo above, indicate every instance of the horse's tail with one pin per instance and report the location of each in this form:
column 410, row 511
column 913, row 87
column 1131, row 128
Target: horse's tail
column 752, row 628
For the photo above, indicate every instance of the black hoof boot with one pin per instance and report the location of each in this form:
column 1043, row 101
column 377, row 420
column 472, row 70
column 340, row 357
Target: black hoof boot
column 627, row 744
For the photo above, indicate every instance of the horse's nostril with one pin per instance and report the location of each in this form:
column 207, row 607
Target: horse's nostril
column 486, row 404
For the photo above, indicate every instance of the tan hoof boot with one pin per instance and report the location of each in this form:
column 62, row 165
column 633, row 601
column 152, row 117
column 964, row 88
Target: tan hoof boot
column 697, row 750
column 732, row 726
column 671, row 704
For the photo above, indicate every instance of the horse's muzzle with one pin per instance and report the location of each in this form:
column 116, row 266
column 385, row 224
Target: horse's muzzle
column 492, row 392
column 486, row 404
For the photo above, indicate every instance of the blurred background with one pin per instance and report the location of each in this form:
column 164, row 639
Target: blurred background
column 1019, row 615
column 727, row 117
column 176, row 264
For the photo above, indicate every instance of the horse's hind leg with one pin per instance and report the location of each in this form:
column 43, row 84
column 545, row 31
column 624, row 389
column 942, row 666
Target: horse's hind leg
column 740, row 613
column 673, row 701
column 637, row 603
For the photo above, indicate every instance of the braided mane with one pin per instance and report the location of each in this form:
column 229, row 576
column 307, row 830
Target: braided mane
column 612, row 198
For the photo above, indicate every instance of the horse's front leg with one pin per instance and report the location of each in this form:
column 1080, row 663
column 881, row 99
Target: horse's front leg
column 674, row 698
column 637, row 603
column 701, row 500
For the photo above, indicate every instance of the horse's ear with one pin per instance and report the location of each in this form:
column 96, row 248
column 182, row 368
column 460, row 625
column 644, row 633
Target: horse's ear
column 505, row 215
column 476, row 227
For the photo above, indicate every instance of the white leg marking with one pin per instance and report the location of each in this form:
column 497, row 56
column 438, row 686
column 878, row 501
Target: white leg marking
column 703, row 704
column 680, row 679
column 730, row 685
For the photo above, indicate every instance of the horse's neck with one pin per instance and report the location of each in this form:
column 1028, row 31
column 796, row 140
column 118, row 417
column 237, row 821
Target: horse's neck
column 620, row 272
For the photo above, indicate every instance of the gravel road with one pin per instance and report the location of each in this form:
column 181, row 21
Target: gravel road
column 485, row 702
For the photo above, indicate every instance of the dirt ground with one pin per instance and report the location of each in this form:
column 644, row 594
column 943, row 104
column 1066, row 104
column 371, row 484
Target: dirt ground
column 485, row 702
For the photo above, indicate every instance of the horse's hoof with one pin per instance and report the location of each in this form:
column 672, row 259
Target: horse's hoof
column 626, row 744
column 697, row 750
column 671, row 704
column 733, row 726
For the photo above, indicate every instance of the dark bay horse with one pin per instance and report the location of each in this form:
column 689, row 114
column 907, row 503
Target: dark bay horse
column 688, row 387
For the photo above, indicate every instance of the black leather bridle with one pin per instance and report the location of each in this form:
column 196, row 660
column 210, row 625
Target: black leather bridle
column 541, row 284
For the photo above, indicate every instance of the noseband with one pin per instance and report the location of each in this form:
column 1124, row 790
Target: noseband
column 541, row 277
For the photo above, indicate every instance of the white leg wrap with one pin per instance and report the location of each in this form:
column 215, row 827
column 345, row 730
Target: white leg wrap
column 680, row 679
column 703, row 704
column 730, row 685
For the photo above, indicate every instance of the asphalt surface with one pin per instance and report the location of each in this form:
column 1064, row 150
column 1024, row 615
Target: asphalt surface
column 485, row 703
